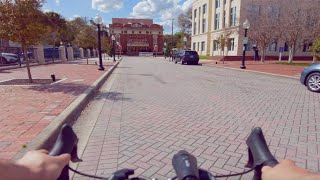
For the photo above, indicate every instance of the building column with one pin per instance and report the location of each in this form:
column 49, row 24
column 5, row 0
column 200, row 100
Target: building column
column 209, row 22
column 81, row 53
column 62, row 54
column 89, row 53
column 70, row 53
column 39, row 54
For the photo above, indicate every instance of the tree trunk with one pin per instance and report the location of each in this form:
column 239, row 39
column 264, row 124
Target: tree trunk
column 223, row 56
column 263, row 55
column 314, row 58
column 291, row 51
column 27, row 63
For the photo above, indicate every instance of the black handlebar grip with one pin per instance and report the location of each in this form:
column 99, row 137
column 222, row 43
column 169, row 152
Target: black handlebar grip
column 259, row 153
column 185, row 165
column 65, row 143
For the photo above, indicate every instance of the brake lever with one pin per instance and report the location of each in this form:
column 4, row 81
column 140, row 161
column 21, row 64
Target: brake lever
column 66, row 143
column 259, row 153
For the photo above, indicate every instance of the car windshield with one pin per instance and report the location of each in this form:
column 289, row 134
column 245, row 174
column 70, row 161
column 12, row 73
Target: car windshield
column 191, row 53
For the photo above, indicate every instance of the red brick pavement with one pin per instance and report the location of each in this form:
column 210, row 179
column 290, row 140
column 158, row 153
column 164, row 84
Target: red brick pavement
column 267, row 67
column 26, row 110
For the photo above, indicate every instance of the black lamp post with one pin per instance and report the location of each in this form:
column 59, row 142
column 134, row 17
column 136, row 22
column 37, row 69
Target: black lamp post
column 246, row 26
column 113, row 48
column 98, row 22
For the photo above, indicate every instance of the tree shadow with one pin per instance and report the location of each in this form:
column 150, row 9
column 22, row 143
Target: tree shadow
column 67, row 88
column 115, row 96
column 5, row 72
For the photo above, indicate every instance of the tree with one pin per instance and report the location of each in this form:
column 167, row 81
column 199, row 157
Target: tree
column 22, row 21
column 185, row 21
column 265, row 23
column 299, row 23
column 315, row 49
column 56, row 24
column 223, row 41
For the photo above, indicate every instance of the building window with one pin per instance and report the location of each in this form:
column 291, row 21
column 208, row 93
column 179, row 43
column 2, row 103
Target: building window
column 216, row 22
column 249, row 46
column 204, row 9
column 198, row 46
column 203, row 44
column 215, row 45
column 204, row 25
column 194, row 46
column 273, row 47
column 147, row 32
column 233, row 16
column 139, row 32
column 225, row 1
column 217, row 3
column 231, row 44
column 195, row 28
column 306, row 47
column 132, row 32
column 159, row 32
column 195, row 13
column 286, row 47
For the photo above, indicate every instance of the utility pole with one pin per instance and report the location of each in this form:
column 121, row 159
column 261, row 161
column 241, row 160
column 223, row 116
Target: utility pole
column 172, row 35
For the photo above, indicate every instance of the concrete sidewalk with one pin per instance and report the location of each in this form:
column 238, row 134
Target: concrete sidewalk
column 26, row 110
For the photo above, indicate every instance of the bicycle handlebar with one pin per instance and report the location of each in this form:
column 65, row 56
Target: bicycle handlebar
column 184, row 163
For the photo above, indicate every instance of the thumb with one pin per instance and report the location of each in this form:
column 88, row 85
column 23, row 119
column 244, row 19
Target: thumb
column 64, row 158
column 265, row 169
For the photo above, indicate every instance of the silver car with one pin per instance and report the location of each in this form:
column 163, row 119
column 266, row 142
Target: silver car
column 7, row 58
column 310, row 77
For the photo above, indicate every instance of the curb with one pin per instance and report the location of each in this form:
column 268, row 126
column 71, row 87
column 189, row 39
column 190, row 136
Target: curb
column 252, row 71
column 48, row 135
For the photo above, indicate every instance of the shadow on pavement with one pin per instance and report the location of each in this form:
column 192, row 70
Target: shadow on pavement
column 5, row 71
column 66, row 88
column 115, row 96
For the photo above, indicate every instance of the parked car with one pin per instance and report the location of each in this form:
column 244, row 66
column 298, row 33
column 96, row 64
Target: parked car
column 8, row 58
column 175, row 53
column 187, row 56
column 310, row 77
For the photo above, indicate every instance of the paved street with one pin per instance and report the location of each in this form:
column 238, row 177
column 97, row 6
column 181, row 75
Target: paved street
column 151, row 108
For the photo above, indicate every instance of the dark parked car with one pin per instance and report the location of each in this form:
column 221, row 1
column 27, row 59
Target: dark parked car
column 310, row 77
column 187, row 56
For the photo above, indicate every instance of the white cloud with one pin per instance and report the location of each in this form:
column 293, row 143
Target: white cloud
column 107, row 5
column 163, row 11
column 58, row 2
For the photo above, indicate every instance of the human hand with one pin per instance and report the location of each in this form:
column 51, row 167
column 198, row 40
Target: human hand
column 43, row 166
column 287, row 170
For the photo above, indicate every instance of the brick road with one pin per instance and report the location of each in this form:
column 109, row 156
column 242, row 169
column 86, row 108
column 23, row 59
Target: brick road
column 154, row 108
column 26, row 110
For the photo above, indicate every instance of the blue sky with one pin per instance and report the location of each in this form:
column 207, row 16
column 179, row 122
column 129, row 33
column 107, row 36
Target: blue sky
column 162, row 11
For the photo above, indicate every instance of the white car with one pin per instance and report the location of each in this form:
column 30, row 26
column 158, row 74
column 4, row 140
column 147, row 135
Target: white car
column 7, row 58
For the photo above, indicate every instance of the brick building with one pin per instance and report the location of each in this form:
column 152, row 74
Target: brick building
column 137, row 35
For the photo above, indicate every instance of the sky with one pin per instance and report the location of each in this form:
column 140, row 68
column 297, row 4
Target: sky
column 161, row 11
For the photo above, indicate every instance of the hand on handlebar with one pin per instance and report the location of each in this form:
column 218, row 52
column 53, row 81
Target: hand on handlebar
column 40, row 165
column 287, row 170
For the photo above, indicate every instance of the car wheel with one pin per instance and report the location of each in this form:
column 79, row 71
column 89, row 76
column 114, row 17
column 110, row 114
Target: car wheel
column 313, row 82
column 3, row 60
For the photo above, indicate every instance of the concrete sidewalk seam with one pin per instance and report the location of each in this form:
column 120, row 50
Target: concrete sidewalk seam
column 246, row 70
column 47, row 137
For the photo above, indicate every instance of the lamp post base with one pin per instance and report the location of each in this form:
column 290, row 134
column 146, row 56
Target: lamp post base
column 101, row 68
column 243, row 67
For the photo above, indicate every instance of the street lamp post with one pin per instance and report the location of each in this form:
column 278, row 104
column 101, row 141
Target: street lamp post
column 98, row 22
column 185, row 42
column 165, row 50
column 246, row 26
column 118, row 45
column 113, row 38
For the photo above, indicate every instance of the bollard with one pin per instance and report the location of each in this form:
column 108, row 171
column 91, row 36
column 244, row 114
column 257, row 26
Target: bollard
column 53, row 77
